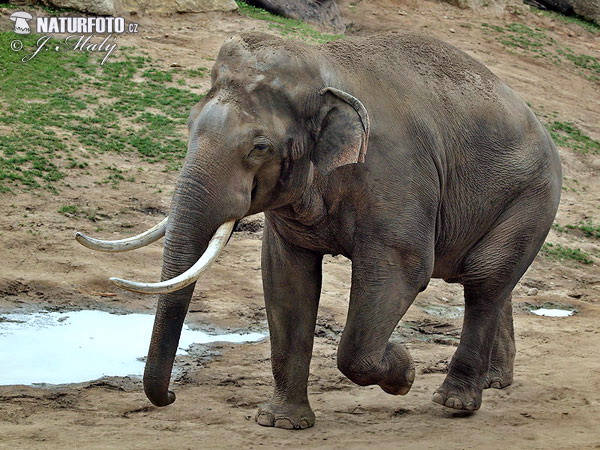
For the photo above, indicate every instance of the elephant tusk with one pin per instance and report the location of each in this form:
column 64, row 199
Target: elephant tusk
column 123, row 245
column 216, row 244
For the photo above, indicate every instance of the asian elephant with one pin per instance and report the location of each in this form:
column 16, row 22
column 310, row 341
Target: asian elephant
column 397, row 151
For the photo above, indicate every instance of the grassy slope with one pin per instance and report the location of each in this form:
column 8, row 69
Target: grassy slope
column 62, row 108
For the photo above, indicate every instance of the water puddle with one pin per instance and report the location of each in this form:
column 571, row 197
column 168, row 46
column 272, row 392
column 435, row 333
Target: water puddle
column 77, row 346
column 553, row 312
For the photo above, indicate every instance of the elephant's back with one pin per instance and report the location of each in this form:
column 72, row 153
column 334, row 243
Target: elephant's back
column 412, row 59
column 415, row 77
column 428, row 87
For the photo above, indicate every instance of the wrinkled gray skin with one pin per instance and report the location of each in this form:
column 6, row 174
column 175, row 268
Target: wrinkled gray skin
column 459, row 181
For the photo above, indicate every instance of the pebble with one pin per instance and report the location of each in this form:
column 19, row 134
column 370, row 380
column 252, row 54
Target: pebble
column 533, row 291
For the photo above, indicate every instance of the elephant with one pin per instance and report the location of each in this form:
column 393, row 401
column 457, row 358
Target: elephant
column 397, row 151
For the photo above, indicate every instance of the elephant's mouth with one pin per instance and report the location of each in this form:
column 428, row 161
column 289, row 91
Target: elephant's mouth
column 254, row 190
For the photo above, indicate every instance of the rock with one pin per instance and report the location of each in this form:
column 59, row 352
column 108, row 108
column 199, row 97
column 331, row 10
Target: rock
column 491, row 5
column 562, row 6
column 100, row 7
column 116, row 7
column 176, row 6
column 588, row 9
column 532, row 292
column 324, row 14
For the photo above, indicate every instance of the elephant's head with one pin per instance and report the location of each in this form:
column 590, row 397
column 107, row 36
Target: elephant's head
column 273, row 115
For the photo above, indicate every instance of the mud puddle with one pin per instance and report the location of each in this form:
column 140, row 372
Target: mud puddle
column 77, row 346
column 444, row 311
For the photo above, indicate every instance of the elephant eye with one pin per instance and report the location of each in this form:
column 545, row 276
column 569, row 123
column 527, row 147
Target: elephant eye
column 260, row 149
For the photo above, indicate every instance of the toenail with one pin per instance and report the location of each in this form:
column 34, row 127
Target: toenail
column 304, row 424
column 284, row 422
column 453, row 403
column 470, row 406
column 404, row 390
column 264, row 419
column 437, row 398
column 496, row 385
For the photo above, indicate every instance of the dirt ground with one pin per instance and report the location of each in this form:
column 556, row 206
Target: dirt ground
column 553, row 403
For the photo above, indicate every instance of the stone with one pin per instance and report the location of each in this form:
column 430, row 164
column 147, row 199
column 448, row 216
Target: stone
column 532, row 292
column 116, row 7
column 324, row 14
column 176, row 6
column 489, row 6
column 588, row 9
column 561, row 6
column 99, row 7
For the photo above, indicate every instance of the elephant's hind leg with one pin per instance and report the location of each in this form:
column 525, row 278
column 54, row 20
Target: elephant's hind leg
column 493, row 267
column 500, row 372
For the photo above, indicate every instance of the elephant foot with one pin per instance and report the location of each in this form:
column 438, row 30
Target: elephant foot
column 457, row 396
column 399, row 386
column 398, row 372
column 394, row 372
column 290, row 416
column 498, row 379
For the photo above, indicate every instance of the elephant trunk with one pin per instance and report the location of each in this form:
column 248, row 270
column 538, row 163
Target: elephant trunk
column 168, row 324
column 187, row 236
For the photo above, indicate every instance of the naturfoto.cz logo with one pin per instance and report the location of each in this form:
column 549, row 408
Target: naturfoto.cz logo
column 81, row 33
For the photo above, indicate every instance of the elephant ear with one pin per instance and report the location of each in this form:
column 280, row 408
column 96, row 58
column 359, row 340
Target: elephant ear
column 344, row 132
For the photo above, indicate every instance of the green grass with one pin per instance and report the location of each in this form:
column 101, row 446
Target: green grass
column 566, row 134
column 115, row 177
column 199, row 72
column 523, row 37
column 588, row 64
column 76, row 211
column 578, row 20
column 534, row 42
column 68, row 209
column 588, row 229
column 61, row 108
column 561, row 253
column 48, row 9
column 289, row 28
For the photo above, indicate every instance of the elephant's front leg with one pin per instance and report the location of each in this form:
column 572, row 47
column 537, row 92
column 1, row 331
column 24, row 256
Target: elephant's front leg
column 384, row 285
column 292, row 286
